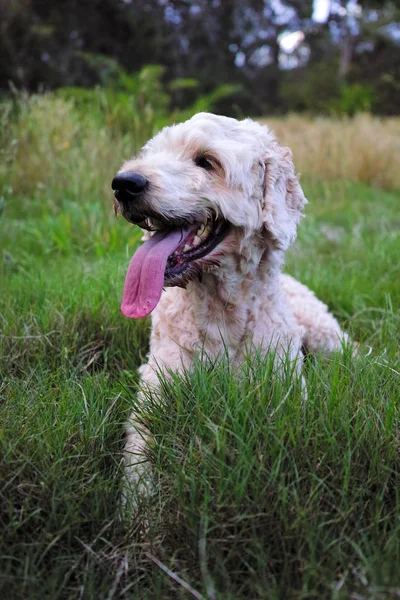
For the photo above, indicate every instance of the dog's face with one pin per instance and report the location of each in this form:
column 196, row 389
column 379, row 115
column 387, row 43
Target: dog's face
column 197, row 184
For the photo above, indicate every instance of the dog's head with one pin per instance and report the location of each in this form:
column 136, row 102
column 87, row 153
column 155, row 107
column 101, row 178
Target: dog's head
column 199, row 185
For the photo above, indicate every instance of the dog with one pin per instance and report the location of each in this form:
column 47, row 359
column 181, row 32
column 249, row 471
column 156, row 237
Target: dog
column 219, row 203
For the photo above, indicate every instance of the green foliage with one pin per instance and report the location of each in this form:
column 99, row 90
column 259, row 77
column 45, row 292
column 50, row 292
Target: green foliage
column 183, row 84
column 142, row 99
column 126, row 99
column 316, row 91
column 310, row 90
column 353, row 98
column 48, row 46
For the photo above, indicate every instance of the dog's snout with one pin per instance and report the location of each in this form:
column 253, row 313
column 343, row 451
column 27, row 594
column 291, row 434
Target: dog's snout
column 130, row 182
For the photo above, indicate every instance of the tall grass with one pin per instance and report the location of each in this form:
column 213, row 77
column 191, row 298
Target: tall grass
column 258, row 494
column 58, row 146
column 363, row 148
column 264, row 493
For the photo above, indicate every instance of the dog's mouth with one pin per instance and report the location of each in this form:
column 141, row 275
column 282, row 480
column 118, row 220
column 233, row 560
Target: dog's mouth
column 200, row 242
column 173, row 256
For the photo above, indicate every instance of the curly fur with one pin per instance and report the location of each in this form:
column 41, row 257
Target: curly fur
column 244, row 301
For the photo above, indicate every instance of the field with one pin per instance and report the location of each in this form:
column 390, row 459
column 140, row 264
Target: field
column 259, row 494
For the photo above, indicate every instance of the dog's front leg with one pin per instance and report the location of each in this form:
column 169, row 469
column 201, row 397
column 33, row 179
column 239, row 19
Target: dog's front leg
column 138, row 473
column 138, row 469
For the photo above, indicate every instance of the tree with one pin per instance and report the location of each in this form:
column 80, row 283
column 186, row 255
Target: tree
column 84, row 42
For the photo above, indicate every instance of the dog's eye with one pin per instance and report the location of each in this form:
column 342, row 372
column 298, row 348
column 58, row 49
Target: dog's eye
column 203, row 162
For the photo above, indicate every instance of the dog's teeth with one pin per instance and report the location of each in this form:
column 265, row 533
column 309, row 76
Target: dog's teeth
column 196, row 241
column 187, row 248
column 201, row 229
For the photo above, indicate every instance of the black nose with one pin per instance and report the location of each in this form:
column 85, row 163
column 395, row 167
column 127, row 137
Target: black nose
column 130, row 182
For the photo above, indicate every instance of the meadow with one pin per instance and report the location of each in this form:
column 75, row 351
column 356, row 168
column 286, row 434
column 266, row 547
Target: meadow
column 258, row 493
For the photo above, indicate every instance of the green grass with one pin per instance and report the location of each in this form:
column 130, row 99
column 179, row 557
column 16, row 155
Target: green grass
column 259, row 494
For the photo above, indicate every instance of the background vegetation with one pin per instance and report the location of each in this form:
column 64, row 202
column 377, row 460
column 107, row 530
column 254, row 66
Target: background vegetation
column 342, row 62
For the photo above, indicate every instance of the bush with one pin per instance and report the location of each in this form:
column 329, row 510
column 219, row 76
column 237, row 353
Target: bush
column 44, row 137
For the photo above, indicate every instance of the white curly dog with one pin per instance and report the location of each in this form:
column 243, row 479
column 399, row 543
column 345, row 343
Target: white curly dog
column 223, row 201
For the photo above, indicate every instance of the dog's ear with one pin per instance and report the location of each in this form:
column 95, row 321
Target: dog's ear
column 283, row 198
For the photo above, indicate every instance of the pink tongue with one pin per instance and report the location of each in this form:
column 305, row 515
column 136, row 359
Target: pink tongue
column 145, row 277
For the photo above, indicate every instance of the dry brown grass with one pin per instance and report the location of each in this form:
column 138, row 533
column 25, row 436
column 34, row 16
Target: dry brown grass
column 364, row 149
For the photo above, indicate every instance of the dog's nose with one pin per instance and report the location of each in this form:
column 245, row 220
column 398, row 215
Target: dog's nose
column 130, row 182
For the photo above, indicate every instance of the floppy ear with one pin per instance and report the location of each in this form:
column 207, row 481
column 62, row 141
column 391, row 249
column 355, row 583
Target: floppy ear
column 284, row 199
